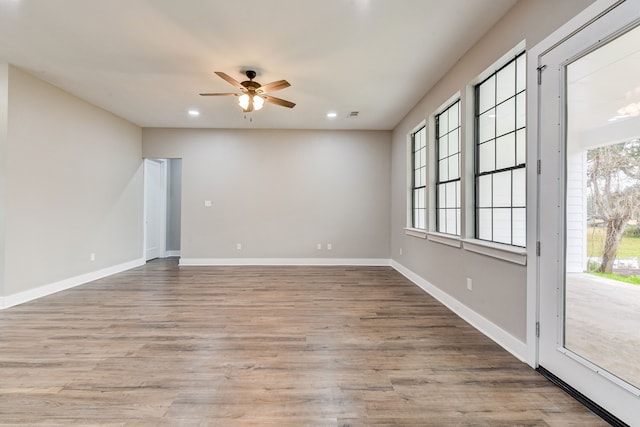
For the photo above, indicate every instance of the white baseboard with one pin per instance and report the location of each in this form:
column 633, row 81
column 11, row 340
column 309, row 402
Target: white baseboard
column 375, row 262
column 52, row 288
column 168, row 254
column 500, row 336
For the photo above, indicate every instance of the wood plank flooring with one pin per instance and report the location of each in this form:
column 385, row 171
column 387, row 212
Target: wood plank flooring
column 262, row 346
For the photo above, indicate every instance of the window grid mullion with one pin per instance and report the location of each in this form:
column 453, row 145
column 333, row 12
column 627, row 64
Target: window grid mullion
column 437, row 171
column 418, row 165
column 489, row 213
column 441, row 206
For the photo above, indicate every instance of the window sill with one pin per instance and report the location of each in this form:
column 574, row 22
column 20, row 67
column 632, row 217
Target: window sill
column 445, row 239
column 508, row 253
column 415, row 232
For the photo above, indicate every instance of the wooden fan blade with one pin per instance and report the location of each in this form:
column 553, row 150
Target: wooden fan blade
column 230, row 80
column 220, row 94
column 278, row 101
column 273, row 86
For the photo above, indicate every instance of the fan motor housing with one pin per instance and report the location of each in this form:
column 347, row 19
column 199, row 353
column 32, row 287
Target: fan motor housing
column 250, row 85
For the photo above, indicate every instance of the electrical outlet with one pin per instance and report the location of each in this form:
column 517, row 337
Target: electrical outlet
column 239, row 246
column 401, row 251
column 329, row 246
column 319, row 246
column 92, row 256
column 469, row 284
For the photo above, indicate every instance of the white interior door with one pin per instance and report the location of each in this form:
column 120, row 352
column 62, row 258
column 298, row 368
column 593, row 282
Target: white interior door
column 154, row 208
column 589, row 101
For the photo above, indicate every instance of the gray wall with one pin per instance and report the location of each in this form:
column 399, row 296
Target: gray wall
column 174, row 201
column 280, row 192
column 74, row 186
column 4, row 100
column 71, row 184
column 499, row 287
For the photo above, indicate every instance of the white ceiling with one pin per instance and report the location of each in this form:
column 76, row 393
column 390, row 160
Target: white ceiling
column 603, row 93
column 147, row 60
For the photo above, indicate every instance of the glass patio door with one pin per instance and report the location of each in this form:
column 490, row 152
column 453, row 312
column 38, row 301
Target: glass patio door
column 589, row 205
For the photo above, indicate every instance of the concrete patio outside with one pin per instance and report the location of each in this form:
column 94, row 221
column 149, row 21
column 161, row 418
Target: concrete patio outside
column 603, row 324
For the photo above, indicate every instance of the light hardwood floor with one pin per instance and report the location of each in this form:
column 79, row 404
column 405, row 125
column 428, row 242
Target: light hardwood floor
column 262, row 346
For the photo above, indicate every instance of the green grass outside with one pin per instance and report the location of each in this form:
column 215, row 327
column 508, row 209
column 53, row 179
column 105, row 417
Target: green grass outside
column 634, row 280
column 629, row 246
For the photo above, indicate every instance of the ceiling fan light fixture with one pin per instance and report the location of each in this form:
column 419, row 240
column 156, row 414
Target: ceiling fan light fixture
column 244, row 101
column 250, row 102
column 253, row 98
column 258, row 102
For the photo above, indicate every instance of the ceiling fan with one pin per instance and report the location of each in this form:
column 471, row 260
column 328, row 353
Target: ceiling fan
column 253, row 93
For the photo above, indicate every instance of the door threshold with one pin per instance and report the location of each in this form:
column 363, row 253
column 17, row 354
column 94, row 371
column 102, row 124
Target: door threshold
column 588, row 403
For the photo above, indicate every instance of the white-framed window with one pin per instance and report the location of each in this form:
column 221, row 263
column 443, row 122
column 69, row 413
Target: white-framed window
column 419, row 178
column 500, row 161
column 447, row 170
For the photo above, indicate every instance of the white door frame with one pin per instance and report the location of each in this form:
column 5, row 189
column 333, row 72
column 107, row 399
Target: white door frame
column 163, row 202
column 533, row 156
column 592, row 384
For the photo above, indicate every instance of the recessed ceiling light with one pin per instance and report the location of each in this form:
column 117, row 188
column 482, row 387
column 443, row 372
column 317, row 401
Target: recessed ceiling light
column 332, row 115
column 194, row 113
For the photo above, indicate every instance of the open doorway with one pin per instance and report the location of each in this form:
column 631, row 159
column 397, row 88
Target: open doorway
column 588, row 212
column 162, row 208
column 174, row 204
column 602, row 300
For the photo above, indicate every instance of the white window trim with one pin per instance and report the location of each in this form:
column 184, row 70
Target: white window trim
column 432, row 162
column 415, row 232
column 469, row 223
column 445, row 239
column 513, row 254
column 512, row 53
column 409, row 181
